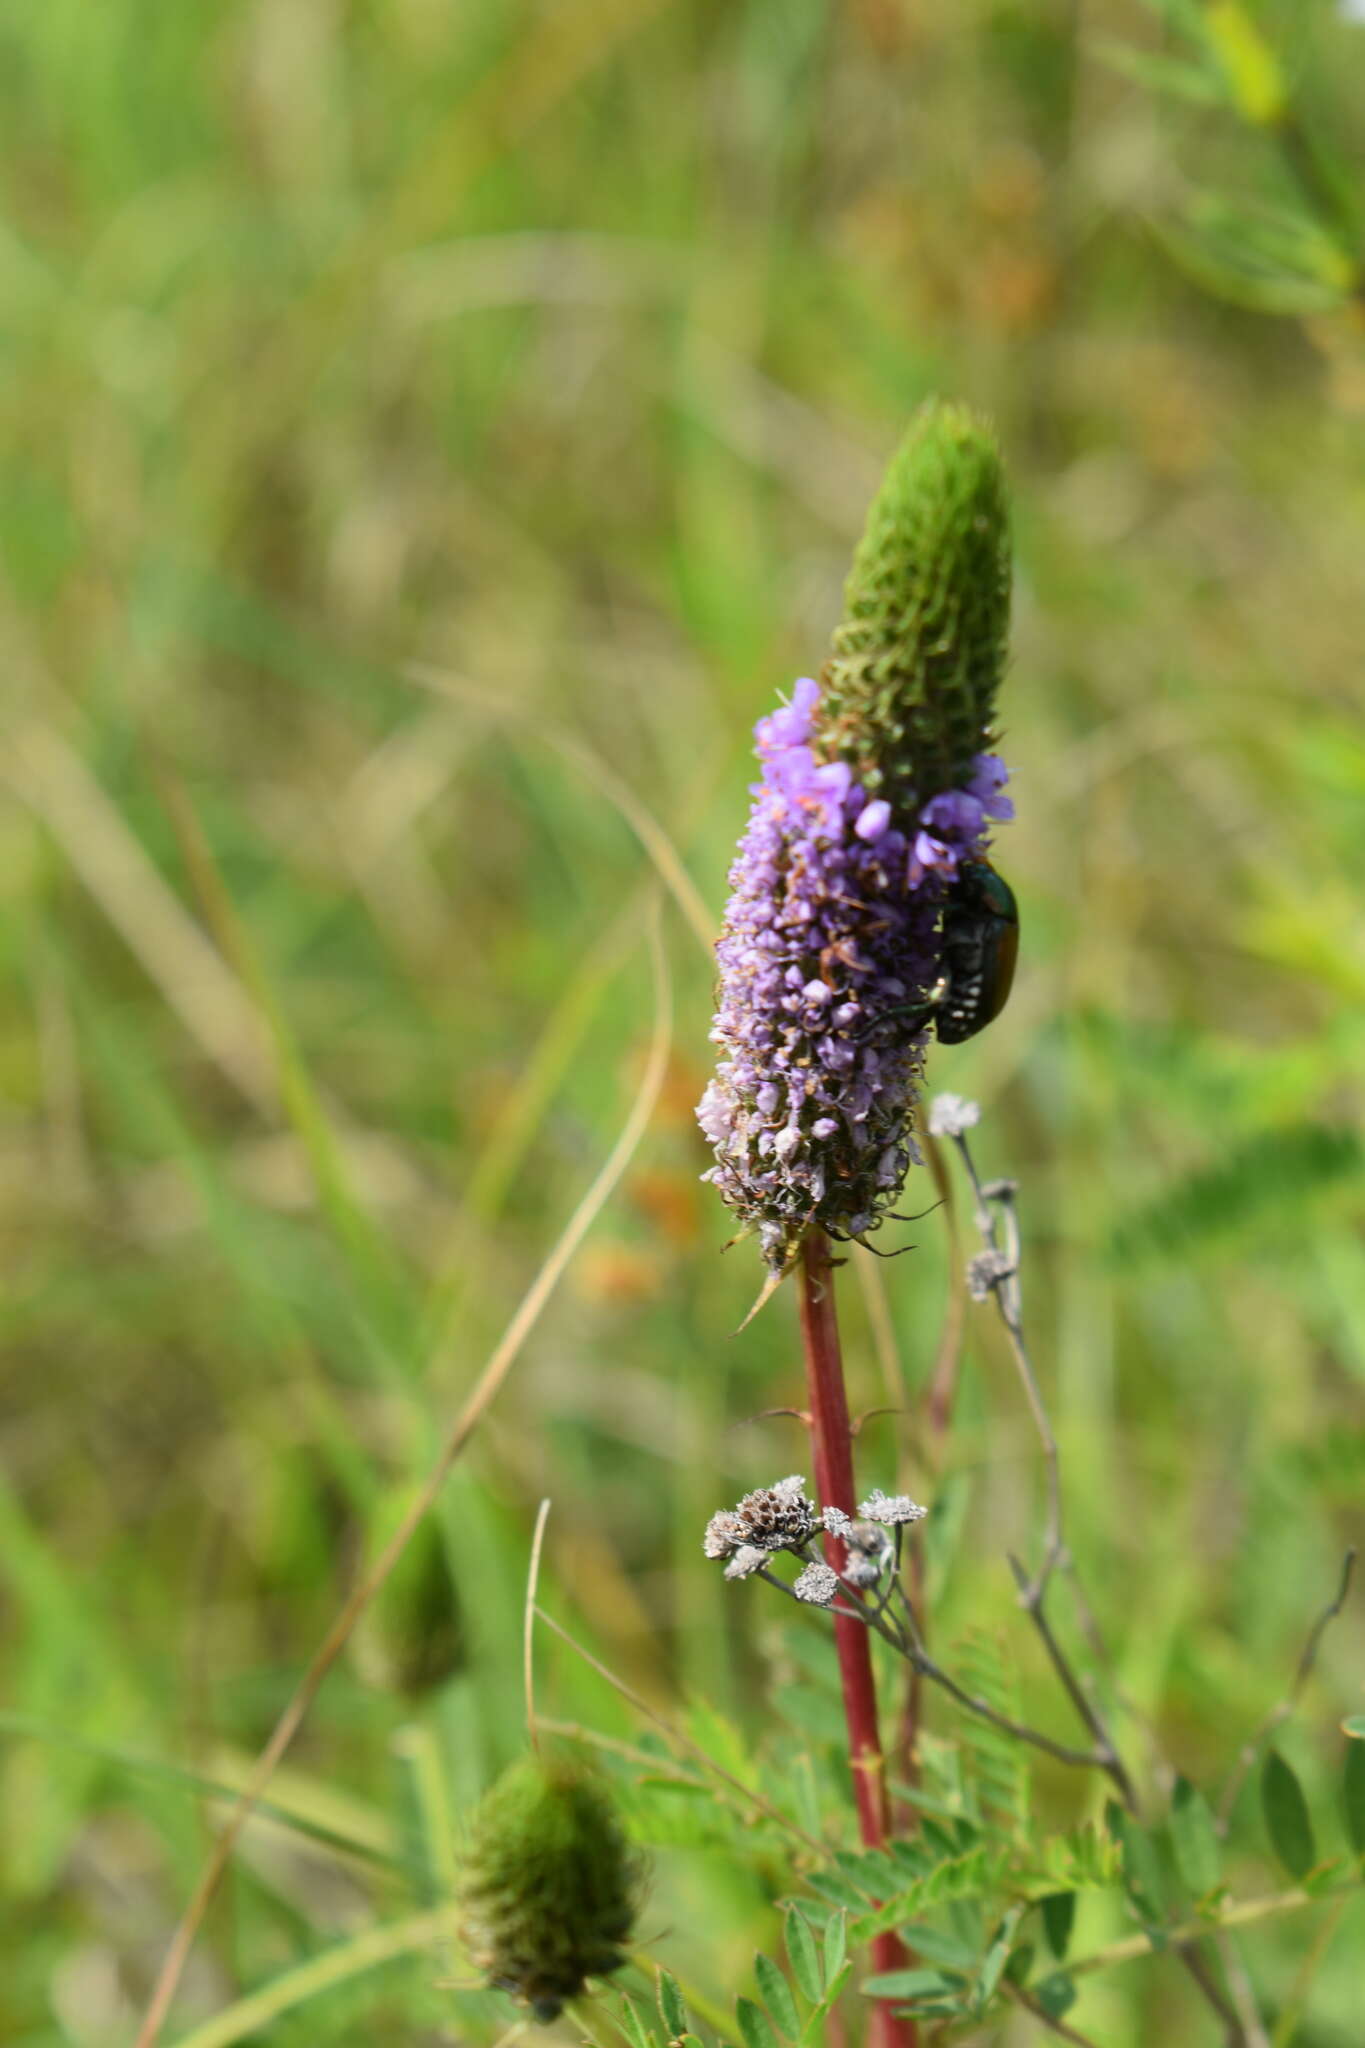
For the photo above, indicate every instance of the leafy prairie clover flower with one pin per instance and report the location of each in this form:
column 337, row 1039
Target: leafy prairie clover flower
column 550, row 1887
column 877, row 784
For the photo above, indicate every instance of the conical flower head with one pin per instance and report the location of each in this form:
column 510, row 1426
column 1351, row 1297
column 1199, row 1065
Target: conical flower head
column 550, row 1886
column 875, row 789
column 908, row 693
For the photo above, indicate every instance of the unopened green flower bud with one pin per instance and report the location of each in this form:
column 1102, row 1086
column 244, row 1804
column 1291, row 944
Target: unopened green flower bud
column 907, row 696
column 411, row 1637
column 550, row 1886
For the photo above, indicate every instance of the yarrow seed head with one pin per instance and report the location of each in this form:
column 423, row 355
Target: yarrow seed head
column 876, row 786
column 868, row 1553
column 817, row 1585
column 893, row 1509
column 985, row 1271
column 777, row 1517
column 747, row 1560
column 951, row 1115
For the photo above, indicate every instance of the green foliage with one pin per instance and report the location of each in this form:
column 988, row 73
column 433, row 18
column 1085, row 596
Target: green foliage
column 412, row 1637
column 909, row 691
column 1353, row 1795
column 1287, row 1818
column 549, row 1887
column 1297, row 252
column 1059, row 1917
column 671, row 2007
column 560, row 348
column 996, row 1766
column 1198, row 1854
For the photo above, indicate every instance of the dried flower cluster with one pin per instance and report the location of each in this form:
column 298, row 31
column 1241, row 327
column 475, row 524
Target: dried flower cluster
column 782, row 1517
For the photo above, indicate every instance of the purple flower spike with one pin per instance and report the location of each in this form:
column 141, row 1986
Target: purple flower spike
column 830, row 935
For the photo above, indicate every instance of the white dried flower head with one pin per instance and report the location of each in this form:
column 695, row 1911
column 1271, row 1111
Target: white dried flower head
column 985, row 1272
column 723, row 1534
column 817, row 1585
column 837, row 1523
column 894, row 1509
column 747, row 1560
column 778, row 1517
column 951, row 1115
column 868, row 1545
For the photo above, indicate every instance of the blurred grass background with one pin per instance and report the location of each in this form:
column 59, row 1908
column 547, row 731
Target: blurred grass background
column 558, row 347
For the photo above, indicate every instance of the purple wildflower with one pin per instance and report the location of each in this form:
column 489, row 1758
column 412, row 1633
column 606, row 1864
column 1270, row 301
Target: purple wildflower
column 831, row 933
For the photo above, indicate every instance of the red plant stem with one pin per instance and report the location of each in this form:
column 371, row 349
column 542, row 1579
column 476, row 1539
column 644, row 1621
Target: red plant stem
column 832, row 1445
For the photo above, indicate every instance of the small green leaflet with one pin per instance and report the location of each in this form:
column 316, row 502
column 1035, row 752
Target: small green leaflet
column 937, row 1947
column 671, row 2004
column 912, row 1984
column 634, row 2026
column 1353, row 1795
column 1194, row 1840
column 1286, row 1816
column 1056, row 1994
column 776, row 1995
column 836, row 1947
column 1354, row 1726
column 754, row 2025
column 997, row 1955
column 804, row 1957
column 1141, row 1868
column 1059, row 1913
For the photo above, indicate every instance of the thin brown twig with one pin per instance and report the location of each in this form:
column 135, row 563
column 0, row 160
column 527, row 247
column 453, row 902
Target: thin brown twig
column 1284, row 1707
column 1004, row 1284
column 471, row 1414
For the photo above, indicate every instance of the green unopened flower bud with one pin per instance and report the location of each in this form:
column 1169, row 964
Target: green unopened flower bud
column 907, row 696
column 550, row 1886
column 411, row 1637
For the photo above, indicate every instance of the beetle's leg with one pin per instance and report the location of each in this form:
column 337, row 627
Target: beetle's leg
column 920, row 1012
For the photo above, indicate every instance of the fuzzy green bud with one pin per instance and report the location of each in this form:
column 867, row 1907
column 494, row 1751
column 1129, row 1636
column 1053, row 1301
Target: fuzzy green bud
column 908, row 694
column 411, row 1638
column 550, row 1886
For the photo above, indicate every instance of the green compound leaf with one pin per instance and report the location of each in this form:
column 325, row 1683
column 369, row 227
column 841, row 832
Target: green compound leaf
column 1198, row 1856
column 1353, row 1795
column 754, row 2025
column 1286, row 1816
column 1059, row 1916
column 671, row 2004
column 776, row 1994
column 804, row 1957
